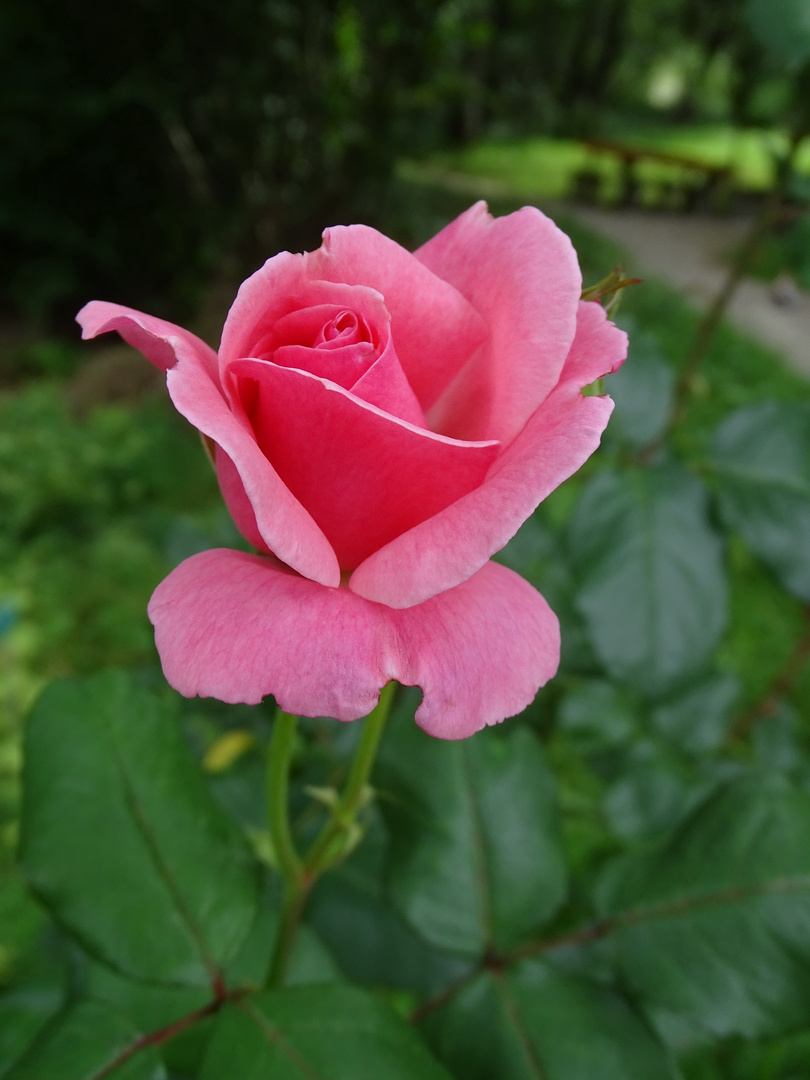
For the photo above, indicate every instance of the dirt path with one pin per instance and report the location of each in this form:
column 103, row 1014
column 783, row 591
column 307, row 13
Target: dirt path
column 687, row 252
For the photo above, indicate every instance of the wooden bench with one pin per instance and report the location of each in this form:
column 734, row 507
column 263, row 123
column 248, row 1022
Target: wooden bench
column 708, row 187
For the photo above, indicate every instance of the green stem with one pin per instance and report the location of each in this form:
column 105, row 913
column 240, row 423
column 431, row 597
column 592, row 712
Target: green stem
column 278, row 774
column 329, row 845
column 322, row 854
column 291, row 910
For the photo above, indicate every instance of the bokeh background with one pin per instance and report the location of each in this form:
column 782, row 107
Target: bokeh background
column 154, row 152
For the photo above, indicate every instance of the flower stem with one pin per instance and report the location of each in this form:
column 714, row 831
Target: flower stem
column 331, row 843
column 278, row 774
column 291, row 910
column 328, row 847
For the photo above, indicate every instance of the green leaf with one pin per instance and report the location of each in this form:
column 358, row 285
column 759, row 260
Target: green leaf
column 651, row 580
column 530, row 550
column 90, row 1042
column 153, row 1008
column 371, row 941
column 787, row 1058
column 310, row 962
column 597, row 716
column 761, row 458
column 316, row 1033
column 123, row 841
column 779, row 742
column 647, row 797
column 783, row 27
column 643, row 389
column 539, row 553
column 26, row 1008
column 712, row 930
column 697, row 720
column 475, row 857
column 535, row 1022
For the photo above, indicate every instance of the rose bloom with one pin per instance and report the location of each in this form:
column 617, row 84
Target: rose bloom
column 382, row 422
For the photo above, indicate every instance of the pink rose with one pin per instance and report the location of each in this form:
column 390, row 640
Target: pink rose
column 383, row 422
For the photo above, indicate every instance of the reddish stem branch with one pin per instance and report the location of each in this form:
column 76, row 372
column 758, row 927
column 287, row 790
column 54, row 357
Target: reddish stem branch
column 446, row 996
column 595, row 931
column 157, row 1038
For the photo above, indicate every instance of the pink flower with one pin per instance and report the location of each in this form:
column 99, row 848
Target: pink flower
column 384, row 422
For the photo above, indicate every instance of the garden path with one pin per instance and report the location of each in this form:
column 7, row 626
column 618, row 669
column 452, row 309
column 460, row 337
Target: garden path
column 687, row 252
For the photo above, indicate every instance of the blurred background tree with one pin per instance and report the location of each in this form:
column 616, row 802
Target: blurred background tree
column 151, row 146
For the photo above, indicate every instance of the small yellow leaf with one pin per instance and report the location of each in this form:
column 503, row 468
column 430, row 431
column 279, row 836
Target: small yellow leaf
column 228, row 748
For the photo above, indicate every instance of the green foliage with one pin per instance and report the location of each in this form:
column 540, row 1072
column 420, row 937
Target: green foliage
column 535, row 1020
column 121, row 836
column 475, row 862
column 761, row 458
column 335, row 1032
column 651, row 579
column 89, row 1041
column 612, row 886
column 783, row 27
column 37, row 997
column 711, row 929
column 643, row 390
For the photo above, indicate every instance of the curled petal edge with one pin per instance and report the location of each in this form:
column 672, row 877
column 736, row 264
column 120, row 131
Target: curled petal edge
column 260, row 502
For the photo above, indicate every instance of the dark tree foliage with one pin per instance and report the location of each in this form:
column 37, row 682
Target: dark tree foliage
column 145, row 138
column 150, row 143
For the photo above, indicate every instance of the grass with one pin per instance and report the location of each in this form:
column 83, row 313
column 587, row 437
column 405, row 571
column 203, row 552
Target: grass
column 544, row 168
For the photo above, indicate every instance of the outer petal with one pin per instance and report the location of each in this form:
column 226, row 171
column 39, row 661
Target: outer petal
column 521, row 273
column 286, row 527
column 480, row 652
column 364, row 475
column 563, row 433
column 161, row 342
column 237, row 501
column 238, row 627
column 435, row 330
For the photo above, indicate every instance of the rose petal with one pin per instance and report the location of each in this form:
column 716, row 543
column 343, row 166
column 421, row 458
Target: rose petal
column 435, row 330
column 381, row 382
column 343, row 366
column 324, row 326
column 599, row 349
column 363, row 475
column 286, row 527
column 238, row 627
column 237, row 501
column 384, row 384
column 161, row 342
column 278, row 289
column 521, row 273
column 480, row 652
column 562, row 434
